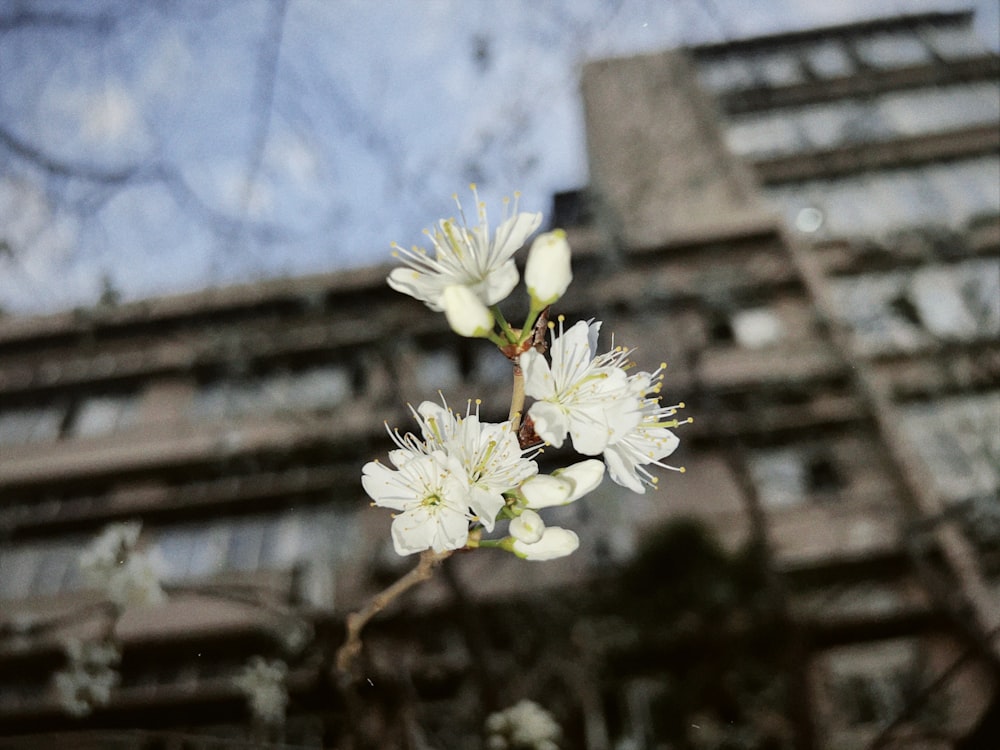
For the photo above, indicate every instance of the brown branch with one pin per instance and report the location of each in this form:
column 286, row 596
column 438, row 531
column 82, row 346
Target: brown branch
column 517, row 398
column 356, row 621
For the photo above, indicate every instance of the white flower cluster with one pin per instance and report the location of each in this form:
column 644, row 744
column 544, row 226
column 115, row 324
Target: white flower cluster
column 523, row 726
column 88, row 678
column 263, row 684
column 126, row 575
column 460, row 475
column 603, row 409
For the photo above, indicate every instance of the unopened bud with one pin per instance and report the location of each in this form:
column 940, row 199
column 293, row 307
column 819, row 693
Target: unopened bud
column 555, row 542
column 548, row 273
column 466, row 313
column 527, row 527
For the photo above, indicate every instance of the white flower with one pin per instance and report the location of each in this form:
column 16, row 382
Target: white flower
column 466, row 314
column 523, row 725
column 555, row 542
column 127, row 576
column 593, row 399
column 89, row 675
column 650, row 441
column 432, row 493
column 527, row 527
column 114, row 541
column 263, row 684
column 547, row 273
column 580, row 393
column 466, row 256
column 489, row 454
column 563, row 486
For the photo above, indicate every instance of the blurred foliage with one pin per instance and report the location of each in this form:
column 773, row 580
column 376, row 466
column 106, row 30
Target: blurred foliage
column 709, row 633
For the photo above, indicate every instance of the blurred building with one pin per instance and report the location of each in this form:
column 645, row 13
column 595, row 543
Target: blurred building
column 806, row 227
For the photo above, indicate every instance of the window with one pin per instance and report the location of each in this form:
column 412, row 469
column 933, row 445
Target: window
column 934, row 110
column 872, row 307
column 31, row 425
column 870, row 684
column 878, row 204
column 936, row 294
column 959, row 440
column 789, row 476
column 105, row 415
column 437, row 370
column 315, row 389
column 779, row 476
column 829, row 60
column 761, row 136
column 725, row 74
column 777, row 69
column 892, row 50
column 193, row 551
column 953, row 43
column 18, row 565
column 888, row 116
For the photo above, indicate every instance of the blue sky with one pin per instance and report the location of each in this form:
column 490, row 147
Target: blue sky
column 160, row 147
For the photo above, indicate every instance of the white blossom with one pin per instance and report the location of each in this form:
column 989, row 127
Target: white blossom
column 484, row 459
column 523, row 726
column 579, row 393
column 548, row 272
column 489, row 453
column 563, row 486
column 466, row 256
column 466, row 314
column 648, row 443
column 127, row 576
column 591, row 397
column 555, row 542
column 89, row 676
column 263, row 684
column 431, row 491
column 527, row 527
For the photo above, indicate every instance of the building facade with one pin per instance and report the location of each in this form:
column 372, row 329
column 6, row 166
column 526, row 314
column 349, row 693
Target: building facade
column 806, row 227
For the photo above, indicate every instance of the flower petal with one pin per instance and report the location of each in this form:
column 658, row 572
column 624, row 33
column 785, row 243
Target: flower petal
column 586, row 477
column 538, row 381
column 527, row 527
column 622, row 471
column 485, row 505
column 550, row 423
column 555, row 542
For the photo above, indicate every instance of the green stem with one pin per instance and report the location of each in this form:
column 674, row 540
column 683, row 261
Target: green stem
column 504, row 326
column 529, row 323
column 492, row 336
column 492, row 543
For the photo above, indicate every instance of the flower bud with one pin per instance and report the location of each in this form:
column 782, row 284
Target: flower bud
column 548, row 272
column 527, row 527
column 586, row 477
column 563, row 486
column 544, row 491
column 466, row 313
column 555, row 542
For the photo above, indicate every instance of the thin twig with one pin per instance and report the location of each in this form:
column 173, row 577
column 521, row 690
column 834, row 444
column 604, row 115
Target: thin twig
column 356, row 621
column 516, row 399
